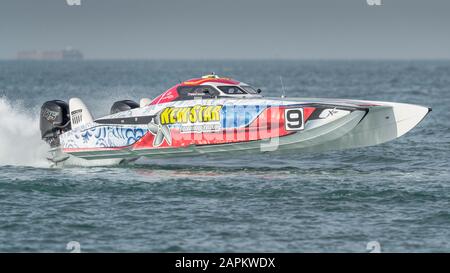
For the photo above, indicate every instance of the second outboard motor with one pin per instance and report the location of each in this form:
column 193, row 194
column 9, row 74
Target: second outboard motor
column 54, row 120
column 123, row 105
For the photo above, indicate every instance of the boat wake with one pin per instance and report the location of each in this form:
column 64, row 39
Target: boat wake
column 20, row 140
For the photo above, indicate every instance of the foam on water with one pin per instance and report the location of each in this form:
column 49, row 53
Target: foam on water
column 20, row 140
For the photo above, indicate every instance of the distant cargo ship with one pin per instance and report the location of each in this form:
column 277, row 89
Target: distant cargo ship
column 66, row 54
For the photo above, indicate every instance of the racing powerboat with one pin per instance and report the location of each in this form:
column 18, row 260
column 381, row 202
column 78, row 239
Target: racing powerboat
column 216, row 115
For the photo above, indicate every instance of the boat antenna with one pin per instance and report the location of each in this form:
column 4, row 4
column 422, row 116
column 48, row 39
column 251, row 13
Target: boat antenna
column 283, row 91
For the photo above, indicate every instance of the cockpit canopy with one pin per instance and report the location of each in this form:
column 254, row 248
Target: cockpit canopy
column 209, row 86
column 215, row 91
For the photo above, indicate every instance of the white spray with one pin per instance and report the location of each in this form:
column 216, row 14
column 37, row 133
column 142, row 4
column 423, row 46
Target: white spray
column 20, row 140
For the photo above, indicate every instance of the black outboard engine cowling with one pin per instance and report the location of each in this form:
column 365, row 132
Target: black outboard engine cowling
column 55, row 120
column 123, row 105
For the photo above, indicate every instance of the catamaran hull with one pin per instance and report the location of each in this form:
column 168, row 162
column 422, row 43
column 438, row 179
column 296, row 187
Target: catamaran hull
column 349, row 124
column 380, row 125
column 213, row 115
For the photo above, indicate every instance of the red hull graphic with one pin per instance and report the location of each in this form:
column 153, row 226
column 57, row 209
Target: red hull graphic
column 269, row 124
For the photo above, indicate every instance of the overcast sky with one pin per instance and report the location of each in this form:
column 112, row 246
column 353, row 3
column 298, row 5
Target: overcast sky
column 235, row 29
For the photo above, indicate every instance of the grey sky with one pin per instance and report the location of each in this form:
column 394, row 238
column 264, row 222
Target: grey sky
column 215, row 29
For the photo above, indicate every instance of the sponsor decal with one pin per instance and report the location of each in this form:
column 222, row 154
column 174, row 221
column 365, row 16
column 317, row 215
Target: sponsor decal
column 195, row 119
column 199, row 128
column 328, row 113
column 161, row 133
column 77, row 116
column 194, row 114
column 49, row 115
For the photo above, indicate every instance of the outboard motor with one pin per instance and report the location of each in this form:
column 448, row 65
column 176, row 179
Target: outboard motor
column 55, row 120
column 123, row 105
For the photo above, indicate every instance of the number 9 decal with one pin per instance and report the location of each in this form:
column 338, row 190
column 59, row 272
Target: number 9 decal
column 293, row 119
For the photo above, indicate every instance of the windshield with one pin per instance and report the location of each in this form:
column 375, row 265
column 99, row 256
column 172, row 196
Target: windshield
column 249, row 89
column 200, row 90
column 231, row 90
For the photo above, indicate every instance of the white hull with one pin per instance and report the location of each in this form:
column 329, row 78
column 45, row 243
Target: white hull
column 180, row 124
column 382, row 124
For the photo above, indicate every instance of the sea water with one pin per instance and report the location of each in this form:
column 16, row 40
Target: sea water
column 396, row 194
